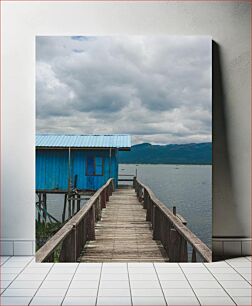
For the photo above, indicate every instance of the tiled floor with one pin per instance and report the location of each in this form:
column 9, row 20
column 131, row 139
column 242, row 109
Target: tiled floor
column 24, row 282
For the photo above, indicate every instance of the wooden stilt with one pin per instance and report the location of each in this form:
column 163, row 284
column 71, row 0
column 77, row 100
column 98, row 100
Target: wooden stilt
column 78, row 202
column 73, row 204
column 64, row 208
column 69, row 208
column 44, row 206
column 39, row 200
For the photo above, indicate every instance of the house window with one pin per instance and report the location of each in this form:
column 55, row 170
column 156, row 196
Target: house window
column 94, row 166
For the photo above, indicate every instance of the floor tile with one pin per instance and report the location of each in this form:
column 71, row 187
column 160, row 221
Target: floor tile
column 114, row 284
column 174, row 284
column 85, row 276
column 47, row 300
column 142, row 270
column 91, row 264
column 25, row 284
column 196, row 270
column 59, row 277
column 80, row 300
column 209, row 292
column 234, row 284
column 161, row 270
column 64, row 268
column 243, row 300
column 204, row 284
column 145, row 284
column 139, row 276
column 55, row 284
column 3, row 259
column 9, row 276
column 19, row 292
column 175, row 300
column 51, row 292
column 5, row 283
column 114, row 270
column 82, row 292
column 200, row 276
column 9, row 270
column 229, row 276
column 178, row 292
column 171, row 276
column 14, row 264
column 114, row 292
column 220, row 270
column 22, row 258
column 41, row 271
column 239, row 291
column 241, row 264
column 191, row 264
column 30, row 276
column 33, row 264
column 122, row 276
column 140, row 264
column 146, row 292
column 88, row 270
column 247, row 277
column 243, row 270
column 78, row 284
column 166, row 264
column 103, row 300
column 237, row 259
column 143, row 300
column 220, row 300
column 220, row 264
column 15, row 300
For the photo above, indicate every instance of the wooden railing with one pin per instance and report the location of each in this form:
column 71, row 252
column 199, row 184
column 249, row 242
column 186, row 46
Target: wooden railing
column 170, row 230
column 71, row 238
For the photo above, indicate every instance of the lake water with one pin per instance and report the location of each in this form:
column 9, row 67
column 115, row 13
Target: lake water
column 188, row 187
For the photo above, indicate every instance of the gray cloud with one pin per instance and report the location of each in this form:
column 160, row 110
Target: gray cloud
column 157, row 88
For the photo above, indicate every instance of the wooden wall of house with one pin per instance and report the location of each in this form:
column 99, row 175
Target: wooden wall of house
column 52, row 168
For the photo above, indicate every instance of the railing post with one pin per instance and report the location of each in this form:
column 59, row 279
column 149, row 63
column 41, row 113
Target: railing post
column 74, row 243
column 78, row 202
column 148, row 208
column 183, row 251
column 145, row 199
column 98, row 208
column 156, row 223
column 134, row 182
column 113, row 185
column 174, row 248
column 153, row 218
column 107, row 194
column 91, row 224
column 194, row 258
column 103, row 199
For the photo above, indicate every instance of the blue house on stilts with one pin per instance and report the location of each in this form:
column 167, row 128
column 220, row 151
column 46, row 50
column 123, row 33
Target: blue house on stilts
column 82, row 162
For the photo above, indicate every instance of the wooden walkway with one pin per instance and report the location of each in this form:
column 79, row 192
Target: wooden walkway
column 123, row 234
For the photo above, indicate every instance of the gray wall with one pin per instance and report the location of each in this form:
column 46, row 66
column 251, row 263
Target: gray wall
column 229, row 25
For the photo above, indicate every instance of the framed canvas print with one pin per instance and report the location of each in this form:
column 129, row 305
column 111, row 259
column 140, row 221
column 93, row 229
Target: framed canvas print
column 123, row 148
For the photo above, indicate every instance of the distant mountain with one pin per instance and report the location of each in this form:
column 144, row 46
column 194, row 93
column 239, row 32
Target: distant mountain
column 146, row 153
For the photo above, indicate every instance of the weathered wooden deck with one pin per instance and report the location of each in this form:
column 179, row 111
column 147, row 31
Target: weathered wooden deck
column 123, row 234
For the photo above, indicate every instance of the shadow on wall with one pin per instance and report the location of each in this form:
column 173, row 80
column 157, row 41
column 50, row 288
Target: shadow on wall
column 226, row 221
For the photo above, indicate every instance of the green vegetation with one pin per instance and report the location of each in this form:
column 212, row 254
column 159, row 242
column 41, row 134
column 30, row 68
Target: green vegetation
column 44, row 231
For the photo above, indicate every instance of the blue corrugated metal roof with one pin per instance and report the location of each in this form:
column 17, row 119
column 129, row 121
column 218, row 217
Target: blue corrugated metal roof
column 83, row 141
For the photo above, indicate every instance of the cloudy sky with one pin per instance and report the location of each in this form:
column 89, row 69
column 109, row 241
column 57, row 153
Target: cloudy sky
column 156, row 88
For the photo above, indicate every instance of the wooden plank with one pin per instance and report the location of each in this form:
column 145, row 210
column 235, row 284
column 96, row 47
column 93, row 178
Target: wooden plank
column 123, row 234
